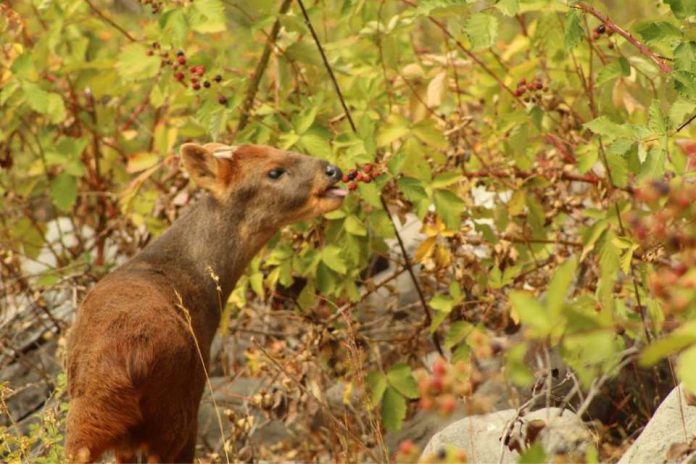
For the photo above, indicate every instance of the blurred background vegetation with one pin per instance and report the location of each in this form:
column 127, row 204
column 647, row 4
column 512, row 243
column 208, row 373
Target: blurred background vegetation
column 535, row 157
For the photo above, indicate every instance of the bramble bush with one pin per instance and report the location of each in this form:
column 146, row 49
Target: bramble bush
column 544, row 144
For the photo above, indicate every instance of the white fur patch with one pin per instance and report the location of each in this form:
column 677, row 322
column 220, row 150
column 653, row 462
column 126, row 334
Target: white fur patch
column 226, row 153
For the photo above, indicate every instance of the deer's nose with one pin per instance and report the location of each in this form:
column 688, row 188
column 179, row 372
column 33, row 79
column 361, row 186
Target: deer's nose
column 333, row 172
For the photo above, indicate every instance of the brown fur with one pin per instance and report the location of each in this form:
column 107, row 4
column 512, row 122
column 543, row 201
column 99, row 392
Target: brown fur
column 135, row 377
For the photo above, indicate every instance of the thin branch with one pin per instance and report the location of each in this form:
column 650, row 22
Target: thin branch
column 329, row 70
column 642, row 48
column 109, row 21
column 261, row 68
column 404, row 252
column 685, row 123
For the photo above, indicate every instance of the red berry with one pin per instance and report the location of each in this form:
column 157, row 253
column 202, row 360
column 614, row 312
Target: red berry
column 359, row 177
column 352, row 186
column 439, row 368
column 345, row 179
column 181, row 60
column 448, row 404
column 519, row 92
column 196, row 86
column 405, row 447
column 436, row 384
column 367, row 179
column 367, row 168
column 179, row 76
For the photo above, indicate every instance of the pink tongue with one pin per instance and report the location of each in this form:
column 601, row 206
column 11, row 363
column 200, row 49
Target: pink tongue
column 338, row 192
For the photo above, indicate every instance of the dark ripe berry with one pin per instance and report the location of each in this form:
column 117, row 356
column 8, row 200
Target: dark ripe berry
column 610, row 46
column 522, row 82
column 345, row 179
column 538, row 85
column 441, row 453
column 181, row 60
column 179, row 76
column 519, row 92
column 206, row 84
column 180, row 53
column 149, row 53
column 352, row 174
column 217, row 78
column 661, row 186
column 155, row 44
column 352, row 186
column 367, row 168
column 194, row 79
column 196, row 86
column 601, row 29
column 222, row 100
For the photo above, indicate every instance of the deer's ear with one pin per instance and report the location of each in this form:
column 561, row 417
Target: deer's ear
column 209, row 169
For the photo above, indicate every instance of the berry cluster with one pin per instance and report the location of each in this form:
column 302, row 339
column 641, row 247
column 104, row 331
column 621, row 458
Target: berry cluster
column 601, row 30
column 366, row 174
column 439, row 391
column 670, row 226
column 187, row 75
column 532, row 89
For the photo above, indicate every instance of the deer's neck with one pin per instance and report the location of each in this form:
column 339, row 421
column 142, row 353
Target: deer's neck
column 209, row 242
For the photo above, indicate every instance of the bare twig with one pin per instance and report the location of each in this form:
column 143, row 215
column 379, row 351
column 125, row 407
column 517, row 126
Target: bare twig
column 404, row 252
column 261, row 68
column 642, row 48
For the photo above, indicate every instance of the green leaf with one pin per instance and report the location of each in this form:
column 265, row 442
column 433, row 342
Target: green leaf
column 560, row 282
column 377, row 384
column 685, row 56
column 64, row 191
column 508, row 7
column 613, row 70
column 676, row 341
column 682, row 9
column 574, row 32
column 535, row 454
column 354, row 225
column 47, row 103
column 331, row 256
column 429, row 134
column 685, row 368
column 531, row 312
column 133, row 63
column 458, row 331
column 393, row 410
column 482, row 30
column 658, row 31
column 450, row 207
column 304, row 120
column 401, row 379
column 208, row 16
column 395, row 128
column 412, row 189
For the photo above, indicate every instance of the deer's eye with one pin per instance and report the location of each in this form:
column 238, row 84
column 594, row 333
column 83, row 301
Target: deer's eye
column 276, row 173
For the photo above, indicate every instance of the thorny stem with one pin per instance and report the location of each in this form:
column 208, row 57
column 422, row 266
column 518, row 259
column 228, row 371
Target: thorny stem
column 261, row 68
column 404, row 252
column 642, row 48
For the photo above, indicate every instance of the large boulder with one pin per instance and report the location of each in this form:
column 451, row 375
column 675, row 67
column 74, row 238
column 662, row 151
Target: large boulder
column 668, row 435
column 560, row 432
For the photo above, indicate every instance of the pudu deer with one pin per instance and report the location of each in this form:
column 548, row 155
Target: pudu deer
column 139, row 347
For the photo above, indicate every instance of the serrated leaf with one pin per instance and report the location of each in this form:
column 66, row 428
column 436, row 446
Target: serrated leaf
column 657, row 31
column 393, row 410
column 458, row 331
column 682, row 9
column 482, row 30
column 450, row 208
column 412, row 189
column 377, row 384
column 531, row 313
column 559, row 284
column 508, row 7
column 574, row 32
column 401, row 379
column 47, row 103
column 331, row 256
column 134, row 64
column 208, row 16
column 354, row 225
column 64, row 191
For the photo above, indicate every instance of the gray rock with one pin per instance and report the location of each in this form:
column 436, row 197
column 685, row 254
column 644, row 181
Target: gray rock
column 665, row 429
column 480, row 436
